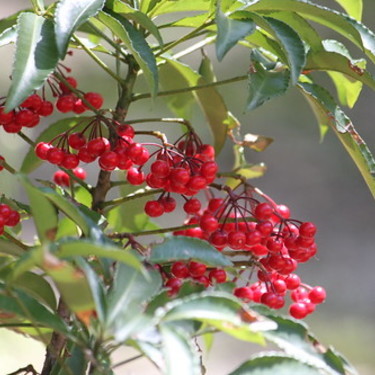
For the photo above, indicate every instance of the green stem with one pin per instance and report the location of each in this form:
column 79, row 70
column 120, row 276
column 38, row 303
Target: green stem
column 26, row 139
column 117, row 201
column 97, row 60
column 188, row 89
column 162, row 119
column 5, row 165
column 126, row 361
column 16, row 241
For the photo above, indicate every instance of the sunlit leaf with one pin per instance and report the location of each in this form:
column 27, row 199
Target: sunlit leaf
column 353, row 8
column 8, row 36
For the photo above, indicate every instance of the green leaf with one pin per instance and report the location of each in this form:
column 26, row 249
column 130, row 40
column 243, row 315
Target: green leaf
column 87, row 248
column 274, row 363
column 8, row 36
column 206, row 69
column 289, row 41
column 126, row 301
column 169, row 6
column 180, row 248
column 32, row 283
column 230, row 31
column 351, row 29
column 35, row 57
column 177, row 344
column 75, row 363
column 69, row 15
column 265, row 82
column 220, row 310
column 132, row 14
column 295, row 339
column 44, row 212
column 31, row 161
column 353, row 8
column 136, row 43
column 175, row 75
column 10, row 248
column 29, row 308
column 329, row 114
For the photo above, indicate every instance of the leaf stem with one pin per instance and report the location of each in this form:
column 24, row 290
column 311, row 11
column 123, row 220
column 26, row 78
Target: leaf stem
column 26, row 139
column 97, row 60
column 188, row 89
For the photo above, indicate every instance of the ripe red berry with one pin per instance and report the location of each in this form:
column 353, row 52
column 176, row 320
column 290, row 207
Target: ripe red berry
column 108, row 160
column 317, row 295
column 307, row 229
column 196, row 183
column 5, row 210
column 65, row 103
column 236, row 240
column 41, row 150
column 298, row 310
column 12, row 127
column 208, row 223
column 263, row 211
column 160, row 168
column 98, row 145
column 6, row 118
column 154, row 208
column 95, row 99
column 46, row 108
column 192, row 206
column 168, row 203
column 196, row 269
column 217, row 275
column 218, row 239
column 293, row 281
column 209, row 169
column 80, row 173
column 32, row 102
column 13, row 219
column 180, row 270
column 64, row 88
column 125, row 130
column 61, row 178
column 76, row 140
column 135, row 176
column 244, row 292
column 174, row 285
column 55, row 155
column 70, row 161
column 179, row 176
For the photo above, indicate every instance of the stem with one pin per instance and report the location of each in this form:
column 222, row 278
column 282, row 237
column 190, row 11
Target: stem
column 162, row 119
column 5, row 165
column 26, row 139
column 127, row 361
column 16, row 241
column 97, row 60
column 104, row 179
column 188, row 89
column 26, row 370
column 117, row 201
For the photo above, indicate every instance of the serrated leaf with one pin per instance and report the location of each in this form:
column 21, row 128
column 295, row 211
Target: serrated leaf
column 8, row 36
column 264, row 84
column 136, row 43
column 353, row 8
column 329, row 114
column 87, row 248
column 130, row 13
column 35, row 57
column 274, row 363
column 176, row 344
column 44, row 212
column 27, row 307
column 230, row 31
column 31, row 161
column 351, row 29
column 130, row 290
column 69, row 15
column 180, row 247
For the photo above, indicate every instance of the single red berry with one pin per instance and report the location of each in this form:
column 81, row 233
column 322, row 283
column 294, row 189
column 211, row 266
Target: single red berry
column 80, row 173
column 209, row 169
column 236, row 240
column 46, row 109
column 275, row 244
column 279, row 286
column 65, row 103
column 33, row 102
column 196, row 183
column 263, row 211
column 192, row 206
column 307, row 229
column 12, row 127
column 253, row 238
column 64, row 88
column 76, row 140
column 196, row 269
column 41, row 150
column 298, row 310
column 217, row 275
column 265, row 227
column 85, row 155
column 6, row 118
column 179, row 176
column 55, row 155
column 208, row 223
column 244, row 292
column 160, row 168
column 299, row 294
column 214, row 204
column 70, row 161
column 142, row 158
column 79, row 107
column 125, row 130
column 5, row 210
column 174, row 285
column 293, row 281
column 108, row 160
column 317, row 295
column 207, row 152
column 218, row 239
column 203, row 280
column 95, row 99
column 98, row 145
column 13, row 219
column 135, row 176
column 180, row 270
column 154, row 208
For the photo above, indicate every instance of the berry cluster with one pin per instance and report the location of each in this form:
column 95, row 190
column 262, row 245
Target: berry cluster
column 61, row 178
column 194, row 271
column 26, row 115
column 8, row 217
column 267, row 239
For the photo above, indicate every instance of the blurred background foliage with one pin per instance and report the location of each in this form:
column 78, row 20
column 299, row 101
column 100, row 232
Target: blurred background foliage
column 318, row 181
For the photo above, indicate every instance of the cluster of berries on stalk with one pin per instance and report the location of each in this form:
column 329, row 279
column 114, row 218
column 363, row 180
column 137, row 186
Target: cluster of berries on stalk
column 8, row 217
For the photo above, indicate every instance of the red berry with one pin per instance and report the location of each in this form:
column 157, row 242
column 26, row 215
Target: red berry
column 6, row 118
column 192, row 206
column 307, row 229
column 209, row 169
column 196, row 269
column 5, row 210
column 13, row 219
column 180, row 270
column 179, row 176
column 174, row 285
column 217, row 275
column 168, row 203
column 97, row 146
column 196, row 183
column 64, row 88
column 125, row 130
column 244, row 292
column 108, row 160
column 214, row 204
column 160, row 168
column 253, row 238
column 236, row 240
column 218, row 239
column 46, row 108
column 154, row 208
column 33, row 102
column 70, row 161
column 41, row 150
column 65, row 103
column 79, row 107
column 80, row 173
column 298, row 310
column 293, row 281
column 61, row 178
column 76, row 140
column 208, row 223
column 12, row 127
column 135, row 176
column 95, row 99
column 55, row 155
column 85, row 156
column 317, row 295
column 263, row 211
